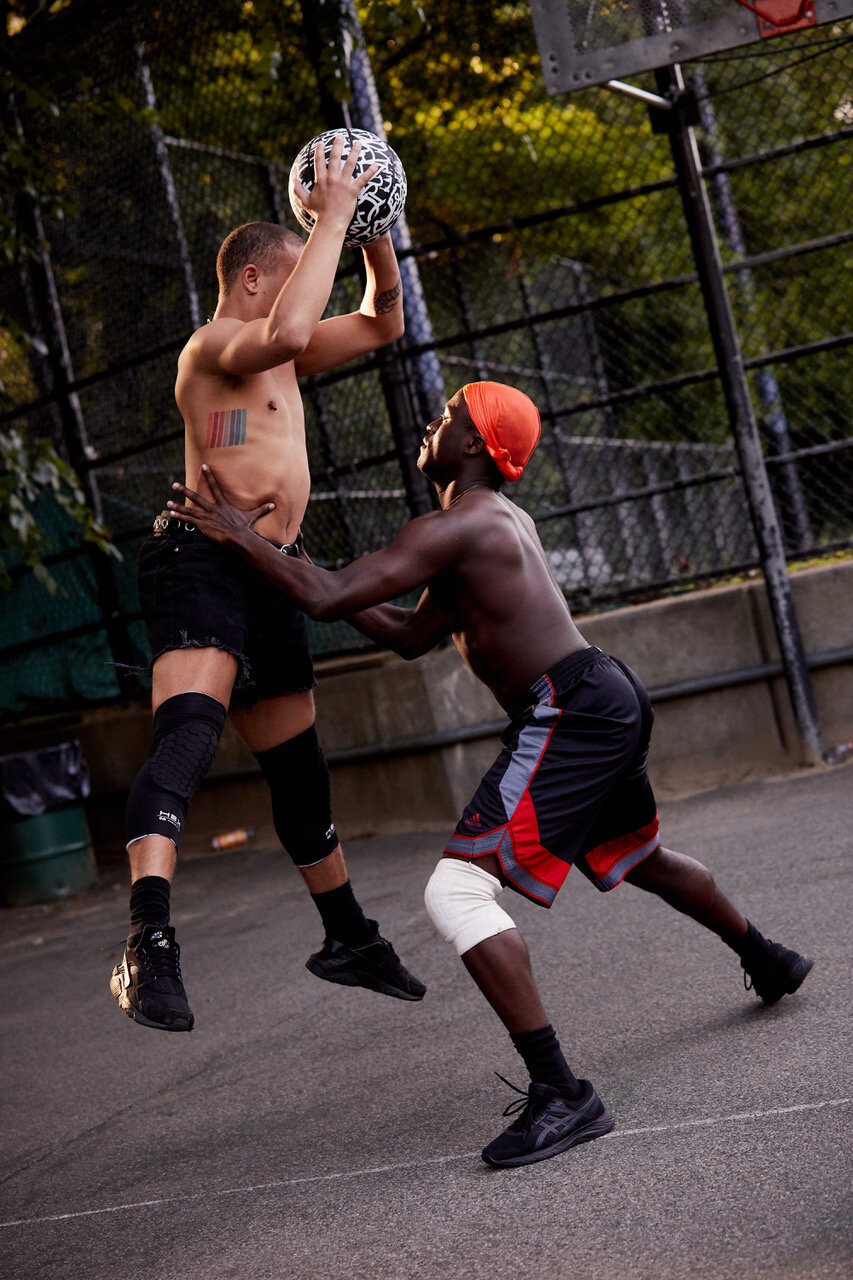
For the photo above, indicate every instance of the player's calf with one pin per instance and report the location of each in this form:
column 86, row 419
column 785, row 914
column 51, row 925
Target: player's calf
column 558, row 1111
column 147, row 982
column 354, row 953
column 770, row 970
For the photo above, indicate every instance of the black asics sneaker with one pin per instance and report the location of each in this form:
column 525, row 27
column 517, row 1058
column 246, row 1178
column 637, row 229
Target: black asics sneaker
column 548, row 1123
column 147, row 983
column 374, row 965
column 775, row 972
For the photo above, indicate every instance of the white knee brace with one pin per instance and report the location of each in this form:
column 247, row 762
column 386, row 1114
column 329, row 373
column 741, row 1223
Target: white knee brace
column 460, row 901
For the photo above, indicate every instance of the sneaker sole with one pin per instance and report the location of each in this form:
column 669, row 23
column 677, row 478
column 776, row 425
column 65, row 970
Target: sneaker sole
column 124, row 1003
column 796, row 978
column 366, row 980
column 587, row 1133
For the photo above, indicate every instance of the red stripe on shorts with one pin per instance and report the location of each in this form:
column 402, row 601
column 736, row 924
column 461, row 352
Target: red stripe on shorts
column 530, row 854
column 602, row 859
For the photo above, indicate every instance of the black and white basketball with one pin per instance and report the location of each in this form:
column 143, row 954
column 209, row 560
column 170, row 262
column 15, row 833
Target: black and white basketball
column 380, row 202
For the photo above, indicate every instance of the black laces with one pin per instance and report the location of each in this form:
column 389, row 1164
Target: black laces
column 164, row 956
column 518, row 1104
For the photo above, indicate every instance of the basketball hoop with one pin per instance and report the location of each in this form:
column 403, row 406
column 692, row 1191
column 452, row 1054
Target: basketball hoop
column 583, row 43
column 778, row 16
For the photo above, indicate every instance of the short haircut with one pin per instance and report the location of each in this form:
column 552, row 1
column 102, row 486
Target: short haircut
column 262, row 243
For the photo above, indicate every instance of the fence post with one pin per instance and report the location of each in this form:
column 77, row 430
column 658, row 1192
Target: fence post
column 556, row 440
column 406, row 430
column 727, row 349
column 793, row 511
column 162, row 156
column 45, row 297
column 366, row 113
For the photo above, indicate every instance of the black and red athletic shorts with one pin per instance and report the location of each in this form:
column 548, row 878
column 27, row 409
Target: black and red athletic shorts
column 570, row 786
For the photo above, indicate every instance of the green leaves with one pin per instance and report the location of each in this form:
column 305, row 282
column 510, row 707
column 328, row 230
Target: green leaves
column 32, row 472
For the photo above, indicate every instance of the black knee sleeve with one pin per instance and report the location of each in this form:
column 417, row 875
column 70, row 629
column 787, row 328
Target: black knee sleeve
column 187, row 729
column 298, row 779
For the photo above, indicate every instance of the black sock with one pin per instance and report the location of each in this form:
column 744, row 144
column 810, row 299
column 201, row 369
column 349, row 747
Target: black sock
column 149, row 903
column 749, row 944
column 342, row 916
column 544, row 1060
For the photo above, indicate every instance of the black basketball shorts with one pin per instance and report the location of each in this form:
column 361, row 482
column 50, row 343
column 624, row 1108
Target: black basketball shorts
column 570, row 786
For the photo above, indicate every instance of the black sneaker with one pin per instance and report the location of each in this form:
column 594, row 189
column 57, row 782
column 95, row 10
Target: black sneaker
column 374, row 965
column 548, row 1123
column 147, row 983
column 775, row 972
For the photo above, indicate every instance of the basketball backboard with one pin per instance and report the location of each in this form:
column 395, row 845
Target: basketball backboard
column 587, row 42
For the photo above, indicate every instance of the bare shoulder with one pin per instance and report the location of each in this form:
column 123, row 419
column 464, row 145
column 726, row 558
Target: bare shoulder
column 206, row 345
column 478, row 523
column 513, row 509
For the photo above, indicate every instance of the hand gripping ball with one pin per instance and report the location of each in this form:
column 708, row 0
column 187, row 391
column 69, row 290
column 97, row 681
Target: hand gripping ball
column 380, row 203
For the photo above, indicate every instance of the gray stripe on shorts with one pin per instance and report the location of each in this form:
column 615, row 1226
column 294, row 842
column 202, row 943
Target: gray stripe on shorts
column 625, row 863
column 476, row 846
column 526, row 756
column 523, row 879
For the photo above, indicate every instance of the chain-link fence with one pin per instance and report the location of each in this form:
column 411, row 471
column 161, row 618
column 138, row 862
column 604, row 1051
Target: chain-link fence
column 551, row 250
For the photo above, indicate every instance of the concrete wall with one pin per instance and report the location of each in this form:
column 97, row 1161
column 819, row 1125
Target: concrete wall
column 700, row 740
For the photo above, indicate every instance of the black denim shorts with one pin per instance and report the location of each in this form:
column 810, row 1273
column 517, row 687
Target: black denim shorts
column 196, row 595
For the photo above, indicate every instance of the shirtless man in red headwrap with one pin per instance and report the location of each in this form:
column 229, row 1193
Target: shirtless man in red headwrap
column 569, row 787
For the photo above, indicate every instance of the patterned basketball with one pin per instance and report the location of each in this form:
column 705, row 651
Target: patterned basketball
column 380, row 202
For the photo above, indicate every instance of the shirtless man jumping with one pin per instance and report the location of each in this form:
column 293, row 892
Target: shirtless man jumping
column 219, row 634
column 569, row 787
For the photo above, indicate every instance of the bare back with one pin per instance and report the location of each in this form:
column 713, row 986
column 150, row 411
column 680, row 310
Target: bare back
column 250, row 427
column 508, row 617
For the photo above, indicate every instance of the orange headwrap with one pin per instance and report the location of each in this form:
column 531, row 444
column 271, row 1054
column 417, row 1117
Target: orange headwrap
column 508, row 421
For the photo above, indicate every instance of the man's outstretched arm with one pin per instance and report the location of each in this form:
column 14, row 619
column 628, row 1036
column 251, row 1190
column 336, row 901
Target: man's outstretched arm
column 421, row 549
column 409, row 632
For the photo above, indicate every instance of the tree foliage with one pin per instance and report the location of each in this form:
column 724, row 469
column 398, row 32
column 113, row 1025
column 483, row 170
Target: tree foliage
column 39, row 75
column 32, row 473
column 464, row 103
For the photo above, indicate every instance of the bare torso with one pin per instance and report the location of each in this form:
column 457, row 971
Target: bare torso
column 251, row 429
column 508, row 617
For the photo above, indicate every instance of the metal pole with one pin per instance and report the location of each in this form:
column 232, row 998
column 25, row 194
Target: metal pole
column 793, row 510
column 163, row 164
column 318, row 404
column 366, row 113
column 724, row 335
column 73, row 427
column 638, row 95
column 406, row 430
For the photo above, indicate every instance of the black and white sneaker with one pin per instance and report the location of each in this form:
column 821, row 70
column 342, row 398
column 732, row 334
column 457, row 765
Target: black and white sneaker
column 548, row 1123
column 374, row 965
column 147, row 983
column 775, row 972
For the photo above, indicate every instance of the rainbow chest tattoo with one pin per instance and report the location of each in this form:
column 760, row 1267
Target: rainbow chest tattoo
column 225, row 427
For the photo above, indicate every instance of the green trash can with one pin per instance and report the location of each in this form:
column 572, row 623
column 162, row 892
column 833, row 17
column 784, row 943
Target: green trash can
column 45, row 845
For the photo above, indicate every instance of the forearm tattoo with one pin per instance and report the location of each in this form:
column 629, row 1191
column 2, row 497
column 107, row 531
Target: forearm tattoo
column 386, row 301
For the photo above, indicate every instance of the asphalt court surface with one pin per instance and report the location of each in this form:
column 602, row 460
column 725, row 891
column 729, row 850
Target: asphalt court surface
column 310, row 1132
